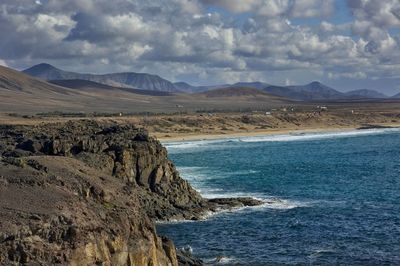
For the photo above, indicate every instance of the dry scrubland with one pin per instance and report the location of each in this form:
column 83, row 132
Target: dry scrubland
column 209, row 125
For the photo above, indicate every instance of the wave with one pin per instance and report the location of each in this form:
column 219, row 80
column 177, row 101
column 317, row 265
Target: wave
column 244, row 172
column 180, row 146
column 220, row 193
column 276, row 204
column 205, row 172
column 284, row 204
column 196, row 144
column 175, row 221
column 321, row 252
column 322, row 135
column 197, row 175
column 222, row 260
column 269, row 203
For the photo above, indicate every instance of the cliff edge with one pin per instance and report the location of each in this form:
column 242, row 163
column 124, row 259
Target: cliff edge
column 85, row 193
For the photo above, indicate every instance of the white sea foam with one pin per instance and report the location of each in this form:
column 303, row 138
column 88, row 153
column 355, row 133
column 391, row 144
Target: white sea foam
column 320, row 135
column 269, row 203
column 222, row 260
column 220, row 193
column 196, row 172
column 284, row 204
column 175, row 221
column 197, row 175
column 244, row 172
column 321, row 252
column 182, row 145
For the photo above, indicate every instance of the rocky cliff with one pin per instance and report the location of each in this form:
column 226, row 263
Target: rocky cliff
column 84, row 193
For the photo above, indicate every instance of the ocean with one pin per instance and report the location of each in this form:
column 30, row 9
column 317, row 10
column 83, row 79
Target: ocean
column 330, row 198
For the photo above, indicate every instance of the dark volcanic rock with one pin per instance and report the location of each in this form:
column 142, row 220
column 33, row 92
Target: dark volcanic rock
column 187, row 259
column 84, row 193
column 370, row 126
column 234, row 202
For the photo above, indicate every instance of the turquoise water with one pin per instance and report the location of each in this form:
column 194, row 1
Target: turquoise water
column 332, row 198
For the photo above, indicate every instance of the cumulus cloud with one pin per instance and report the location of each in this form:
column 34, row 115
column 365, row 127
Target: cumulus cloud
column 193, row 40
column 312, row 8
column 273, row 8
column 373, row 19
column 238, row 6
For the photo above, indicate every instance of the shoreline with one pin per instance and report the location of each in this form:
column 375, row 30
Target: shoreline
column 257, row 133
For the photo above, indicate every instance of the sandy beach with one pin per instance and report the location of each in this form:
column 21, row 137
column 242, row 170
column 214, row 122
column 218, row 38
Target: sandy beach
column 195, row 137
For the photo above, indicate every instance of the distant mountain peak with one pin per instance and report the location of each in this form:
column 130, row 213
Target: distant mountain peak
column 40, row 67
column 142, row 81
column 45, row 71
column 44, row 65
column 316, row 85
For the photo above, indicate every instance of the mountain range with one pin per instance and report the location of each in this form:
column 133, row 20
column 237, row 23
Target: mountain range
column 314, row 91
column 22, row 93
column 142, row 81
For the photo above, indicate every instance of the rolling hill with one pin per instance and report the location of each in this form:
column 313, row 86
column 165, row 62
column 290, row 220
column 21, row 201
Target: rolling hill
column 316, row 91
column 86, row 85
column 284, row 92
column 255, row 85
column 19, row 91
column 22, row 93
column 243, row 92
column 313, row 91
column 14, row 81
column 396, row 96
column 364, row 93
column 186, row 87
column 309, row 92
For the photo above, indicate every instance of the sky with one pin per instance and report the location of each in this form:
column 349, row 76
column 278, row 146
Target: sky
column 346, row 44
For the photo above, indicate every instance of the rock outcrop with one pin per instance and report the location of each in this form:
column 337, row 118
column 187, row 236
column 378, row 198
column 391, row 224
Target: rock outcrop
column 84, row 193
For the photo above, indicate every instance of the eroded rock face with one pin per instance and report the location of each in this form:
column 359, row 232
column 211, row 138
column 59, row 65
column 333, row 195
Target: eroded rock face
column 82, row 193
column 72, row 214
column 123, row 151
column 86, row 193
